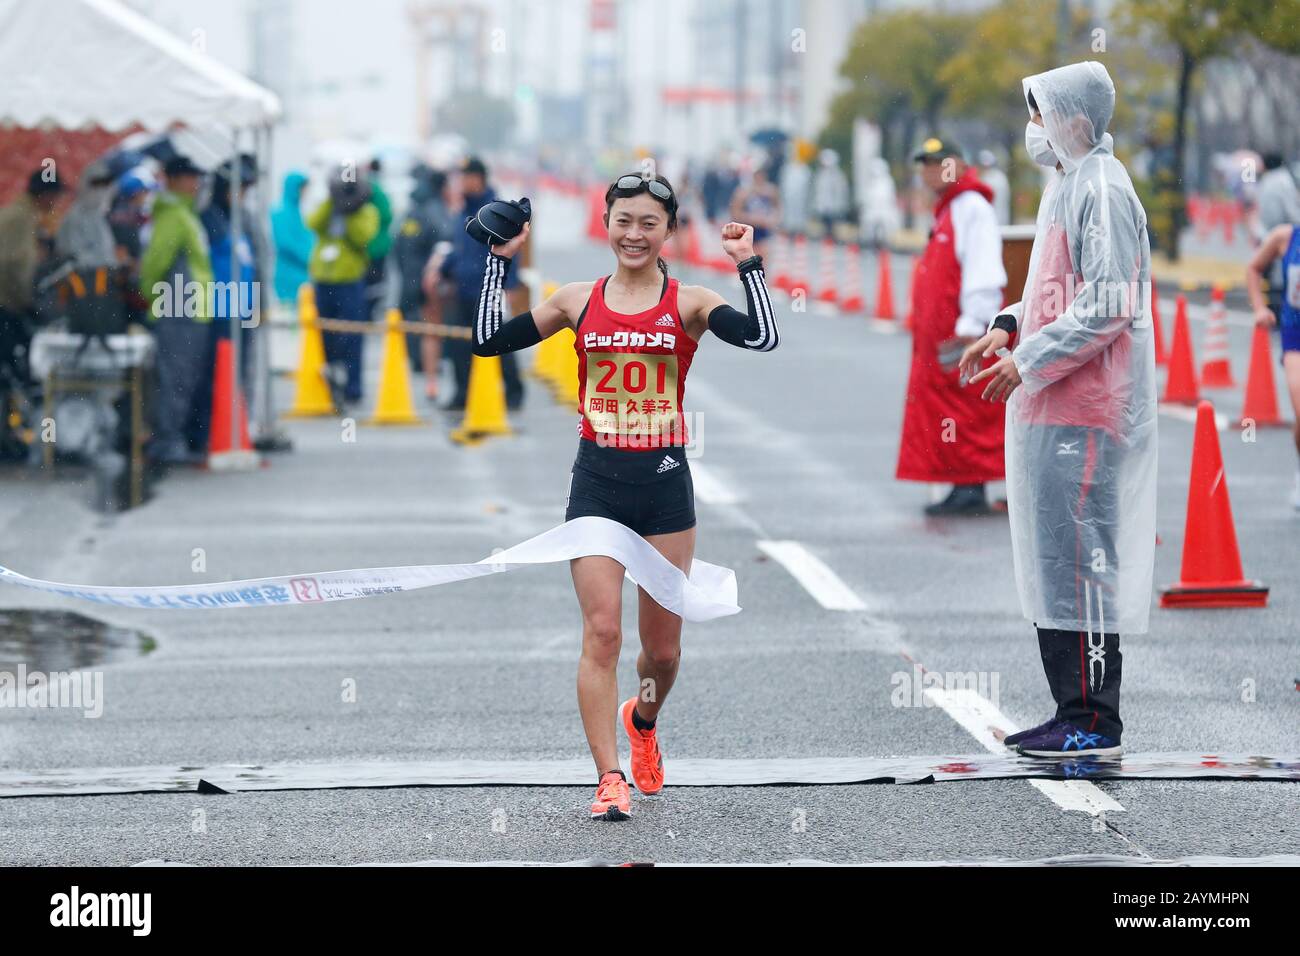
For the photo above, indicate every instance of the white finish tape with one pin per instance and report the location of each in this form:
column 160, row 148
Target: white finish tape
column 709, row 591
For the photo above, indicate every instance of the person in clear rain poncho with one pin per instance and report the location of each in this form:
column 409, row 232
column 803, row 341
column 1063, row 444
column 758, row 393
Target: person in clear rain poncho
column 1081, row 413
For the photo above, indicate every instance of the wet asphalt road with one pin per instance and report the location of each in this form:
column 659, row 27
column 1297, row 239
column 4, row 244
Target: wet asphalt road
column 803, row 441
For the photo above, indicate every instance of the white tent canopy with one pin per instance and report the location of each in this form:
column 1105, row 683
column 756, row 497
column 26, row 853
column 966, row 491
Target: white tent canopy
column 80, row 63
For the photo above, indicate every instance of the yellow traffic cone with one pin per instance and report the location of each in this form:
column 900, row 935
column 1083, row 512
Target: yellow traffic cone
column 485, row 409
column 564, row 379
column 311, row 397
column 545, row 355
column 395, row 405
column 544, row 359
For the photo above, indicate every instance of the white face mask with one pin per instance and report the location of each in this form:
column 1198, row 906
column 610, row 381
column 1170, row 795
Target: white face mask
column 1040, row 151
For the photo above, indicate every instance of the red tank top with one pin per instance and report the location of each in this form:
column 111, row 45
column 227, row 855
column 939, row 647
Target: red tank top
column 632, row 373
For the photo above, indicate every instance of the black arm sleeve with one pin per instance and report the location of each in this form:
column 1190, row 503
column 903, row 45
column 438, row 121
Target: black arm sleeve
column 491, row 335
column 517, row 333
column 757, row 330
column 1005, row 322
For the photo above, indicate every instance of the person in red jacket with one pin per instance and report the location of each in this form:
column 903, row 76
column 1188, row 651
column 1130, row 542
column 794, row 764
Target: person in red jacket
column 949, row 433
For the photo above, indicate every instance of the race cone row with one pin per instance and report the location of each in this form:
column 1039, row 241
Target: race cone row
column 1260, row 407
column 797, row 278
column 1211, row 574
column 1162, row 357
column 884, row 287
column 1217, row 370
column 827, row 288
column 790, row 270
column 394, row 403
column 852, row 302
column 1182, row 387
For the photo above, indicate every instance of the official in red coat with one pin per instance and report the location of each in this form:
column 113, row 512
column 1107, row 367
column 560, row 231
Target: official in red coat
column 949, row 433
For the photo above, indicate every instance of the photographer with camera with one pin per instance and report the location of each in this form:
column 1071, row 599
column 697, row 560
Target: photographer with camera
column 344, row 225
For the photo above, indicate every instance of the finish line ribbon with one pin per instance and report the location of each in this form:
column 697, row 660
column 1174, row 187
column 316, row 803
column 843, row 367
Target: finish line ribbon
column 708, row 592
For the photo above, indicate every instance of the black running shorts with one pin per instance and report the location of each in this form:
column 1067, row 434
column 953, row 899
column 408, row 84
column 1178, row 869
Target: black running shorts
column 663, row 505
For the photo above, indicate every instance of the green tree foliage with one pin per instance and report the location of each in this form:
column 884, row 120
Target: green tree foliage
column 1198, row 31
column 911, row 70
column 893, row 66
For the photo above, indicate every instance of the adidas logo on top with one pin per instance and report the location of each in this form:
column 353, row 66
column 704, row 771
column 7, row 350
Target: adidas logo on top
column 667, row 464
column 667, row 320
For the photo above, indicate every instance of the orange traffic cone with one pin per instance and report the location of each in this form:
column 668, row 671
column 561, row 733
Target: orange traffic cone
column 1200, row 215
column 1162, row 357
column 827, row 290
column 1181, row 385
column 781, row 273
column 884, row 288
column 799, row 270
column 1211, row 574
column 1260, row 406
column 852, row 301
column 693, row 255
column 228, row 447
column 1217, row 371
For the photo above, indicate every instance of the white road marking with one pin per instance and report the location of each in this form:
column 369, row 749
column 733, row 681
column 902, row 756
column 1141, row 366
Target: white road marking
column 820, row 581
column 709, row 488
column 1079, row 795
column 976, row 714
column 980, row 718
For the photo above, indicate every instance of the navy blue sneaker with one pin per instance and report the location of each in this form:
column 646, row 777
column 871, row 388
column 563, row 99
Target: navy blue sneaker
column 1066, row 740
column 1012, row 740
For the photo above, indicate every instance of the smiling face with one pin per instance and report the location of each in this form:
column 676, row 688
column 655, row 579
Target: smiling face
column 638, row 227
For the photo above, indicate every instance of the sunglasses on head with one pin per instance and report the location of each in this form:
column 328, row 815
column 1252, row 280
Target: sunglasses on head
column 633, row 181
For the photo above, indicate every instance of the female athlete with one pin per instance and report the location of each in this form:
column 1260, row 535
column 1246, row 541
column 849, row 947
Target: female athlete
column 1282, row 243
column 636, row 333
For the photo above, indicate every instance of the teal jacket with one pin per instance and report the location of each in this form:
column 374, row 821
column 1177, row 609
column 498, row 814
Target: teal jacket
column 293, row 240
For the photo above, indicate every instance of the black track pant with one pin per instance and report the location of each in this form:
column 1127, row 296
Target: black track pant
column 1083, row 671
column 1076, row 516
column 463, row 312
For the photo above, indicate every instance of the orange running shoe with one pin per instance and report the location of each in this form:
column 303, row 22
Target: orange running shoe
column 613, row 801
column 647, row 761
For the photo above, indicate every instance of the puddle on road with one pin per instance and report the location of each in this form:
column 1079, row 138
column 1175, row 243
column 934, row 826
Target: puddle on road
column 64, row 640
